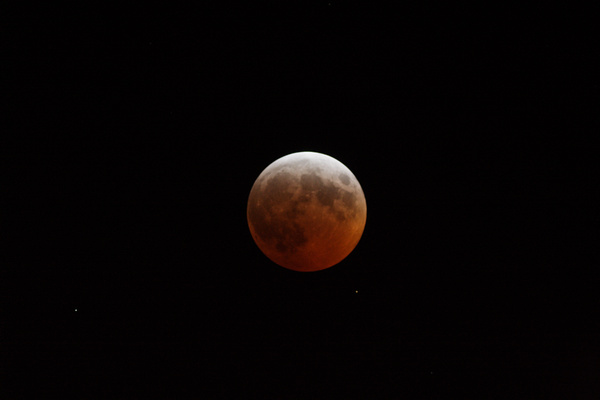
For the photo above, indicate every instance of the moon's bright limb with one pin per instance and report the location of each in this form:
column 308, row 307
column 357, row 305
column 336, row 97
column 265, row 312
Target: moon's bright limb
column 306, row 211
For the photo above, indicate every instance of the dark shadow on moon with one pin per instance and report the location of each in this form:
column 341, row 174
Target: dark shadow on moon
column 280, row 226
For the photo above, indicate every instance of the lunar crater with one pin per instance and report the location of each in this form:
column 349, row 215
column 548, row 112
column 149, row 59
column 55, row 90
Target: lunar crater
column 345, row 179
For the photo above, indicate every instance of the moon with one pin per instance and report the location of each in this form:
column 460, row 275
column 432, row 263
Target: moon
column 306, row 211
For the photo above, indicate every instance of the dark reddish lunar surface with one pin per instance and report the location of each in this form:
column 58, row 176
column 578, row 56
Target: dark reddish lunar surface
column 306, row 211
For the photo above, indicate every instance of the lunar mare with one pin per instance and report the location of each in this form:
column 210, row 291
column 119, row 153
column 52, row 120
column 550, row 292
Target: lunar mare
column 306, row 211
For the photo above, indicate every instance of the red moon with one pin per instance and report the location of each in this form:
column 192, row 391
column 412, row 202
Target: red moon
column 306, row 211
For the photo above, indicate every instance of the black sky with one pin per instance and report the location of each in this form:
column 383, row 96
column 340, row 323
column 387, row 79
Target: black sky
column 134, row 138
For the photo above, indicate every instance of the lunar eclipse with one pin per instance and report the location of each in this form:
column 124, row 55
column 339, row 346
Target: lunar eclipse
column 306, row 211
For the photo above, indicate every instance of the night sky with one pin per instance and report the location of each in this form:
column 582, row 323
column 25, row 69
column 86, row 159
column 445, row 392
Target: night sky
column 132, row 139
